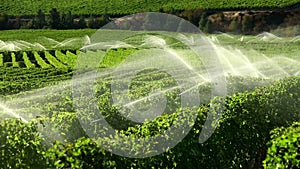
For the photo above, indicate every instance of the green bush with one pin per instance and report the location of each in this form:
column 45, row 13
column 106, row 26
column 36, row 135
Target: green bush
column 243, row 131
column 88, row 153
column 284, row 148
column 20, row 145
column 84, row 153
column 8, row 64
column 62, row 126
column 24, row 145
column 238, row 142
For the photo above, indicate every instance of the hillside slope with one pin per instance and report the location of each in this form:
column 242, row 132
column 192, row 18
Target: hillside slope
column 96, row 7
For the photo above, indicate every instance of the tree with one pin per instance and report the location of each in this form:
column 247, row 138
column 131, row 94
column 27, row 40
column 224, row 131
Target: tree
column 234, row 27
column 3, row 21
column 63, row 21
column 69, row 20
column 17, row 24
column 209, row 27
column 203, row 21
column 105, row 15
column 91, row 23
column 81, row 23
column 260, row 24
column 192, row 16
column 101, row 21
column 247, row 24
column 54, row 19
column 40, row 20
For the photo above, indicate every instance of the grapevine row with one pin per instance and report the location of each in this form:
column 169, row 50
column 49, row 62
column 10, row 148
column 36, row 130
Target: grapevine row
column 43, row 59
column 117, row 7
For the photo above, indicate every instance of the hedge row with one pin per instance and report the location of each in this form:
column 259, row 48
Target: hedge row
column 284, row 148
column 240, row 140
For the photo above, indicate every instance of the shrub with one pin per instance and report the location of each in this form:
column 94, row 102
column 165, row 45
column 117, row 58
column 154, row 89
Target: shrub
column 20, row 145
column 238, row 142
column 284, row 148
column 62, row 126
column 84, row 153
column 248, row 118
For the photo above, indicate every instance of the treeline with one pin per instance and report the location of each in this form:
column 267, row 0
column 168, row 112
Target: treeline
column 244, row 22
column 248, row 22
column 53, row 20
column 240, row 22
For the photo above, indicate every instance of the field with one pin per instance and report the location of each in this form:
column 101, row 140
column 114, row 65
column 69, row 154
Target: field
column 155, row 98
column 121, row 7
column 58, row 35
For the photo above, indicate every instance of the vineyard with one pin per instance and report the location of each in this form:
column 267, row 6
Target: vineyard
column 121, row 7
column 39, row 59
column 55, row 108
column 40, row 35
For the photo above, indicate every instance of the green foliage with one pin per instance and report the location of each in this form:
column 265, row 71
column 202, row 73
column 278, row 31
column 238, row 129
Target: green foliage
column 62, row 126
column 238, row 142
column 202, row 21
column 233, row 26
column 68, row 59
column 16, row 80
column 1, row 60
column 96, row 22
column 247, row 120
column 20, row 145
column 40, row 60
column 8, row 64
column 284, row 148
column 87, row 152
column 54, row 19
column 27, row 61
column 3, row 21
column 40, row 20
column 116, row 7
column 58, row 35
column 209, row 26
column 110, row 59
column 247, row 24
column 67, row 20
column 53, row 61
column 14, row 62
column 81, row 23
column 25, row 145
column 84, row 153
